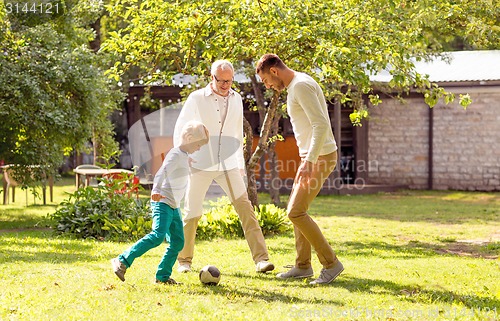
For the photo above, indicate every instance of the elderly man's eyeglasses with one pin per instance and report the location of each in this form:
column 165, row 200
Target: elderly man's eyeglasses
column 226, row 82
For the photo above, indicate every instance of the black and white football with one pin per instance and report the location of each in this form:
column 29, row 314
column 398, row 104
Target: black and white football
column 210, row 275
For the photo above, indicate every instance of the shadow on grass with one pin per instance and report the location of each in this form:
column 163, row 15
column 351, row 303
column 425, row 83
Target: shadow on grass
column 43, row 246
column 30, row 216
column 414, row 293
column 403, row 292
column 244, row 291
column 417, row 249
column 410, row 250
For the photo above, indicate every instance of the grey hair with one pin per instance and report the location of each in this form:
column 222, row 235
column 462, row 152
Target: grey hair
column 222, row 65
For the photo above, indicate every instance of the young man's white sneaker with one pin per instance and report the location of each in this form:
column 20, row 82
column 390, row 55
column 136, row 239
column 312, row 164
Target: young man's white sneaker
column 264, row 266
column 328, row 275
column 296, row 273
column 184, row 268
column 119, row 268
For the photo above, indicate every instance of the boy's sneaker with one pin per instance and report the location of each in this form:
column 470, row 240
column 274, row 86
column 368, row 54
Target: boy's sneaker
column 296, row 273
column 119, row 268
column 169, row 281
column 328, row 275
column 264, row 266
column 184, row 268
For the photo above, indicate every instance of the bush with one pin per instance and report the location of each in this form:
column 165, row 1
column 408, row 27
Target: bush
column 223, row 221
column 273, row 219
column 101, row 213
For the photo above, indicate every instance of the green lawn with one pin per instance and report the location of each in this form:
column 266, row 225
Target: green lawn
column 412, row 255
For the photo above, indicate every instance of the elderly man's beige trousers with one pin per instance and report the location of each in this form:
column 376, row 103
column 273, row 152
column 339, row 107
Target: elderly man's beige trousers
column 233, row 185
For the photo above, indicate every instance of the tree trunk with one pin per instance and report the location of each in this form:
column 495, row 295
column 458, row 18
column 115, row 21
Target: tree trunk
column 274, row 178
column 252, row 188
column 94, row 146
column 95, row 44
column 259, row 98
column 275, row 182
column 247, row 153
column 263, row 144
column 268, row 120
column 261, row 148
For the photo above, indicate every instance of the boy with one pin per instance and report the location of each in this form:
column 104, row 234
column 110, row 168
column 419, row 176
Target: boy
column 169, row 187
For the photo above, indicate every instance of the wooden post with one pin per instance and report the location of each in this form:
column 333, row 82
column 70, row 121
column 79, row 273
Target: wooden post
column 337, row 123
column 430, row 178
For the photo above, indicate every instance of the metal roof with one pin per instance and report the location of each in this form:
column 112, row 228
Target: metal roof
column 481, row 65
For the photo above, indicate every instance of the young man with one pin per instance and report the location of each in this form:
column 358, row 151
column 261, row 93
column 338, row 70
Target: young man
column 308, row 113
column 220, row 109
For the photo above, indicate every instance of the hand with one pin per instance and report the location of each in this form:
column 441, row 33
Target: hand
column 305, row 170
column 157, row 197
column 243, row 172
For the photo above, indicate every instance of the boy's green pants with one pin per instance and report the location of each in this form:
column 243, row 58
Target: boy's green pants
column 167, row 225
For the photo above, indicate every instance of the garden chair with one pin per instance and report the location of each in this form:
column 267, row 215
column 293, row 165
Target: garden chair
column 89, row 181
column 10, row 184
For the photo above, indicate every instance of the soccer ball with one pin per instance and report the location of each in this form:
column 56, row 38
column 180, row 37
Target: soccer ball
column 209, row 275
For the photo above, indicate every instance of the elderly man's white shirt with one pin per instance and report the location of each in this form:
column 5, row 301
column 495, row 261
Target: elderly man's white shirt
column 225, row 148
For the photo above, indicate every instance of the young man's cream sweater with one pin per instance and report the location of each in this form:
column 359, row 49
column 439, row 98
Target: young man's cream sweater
column 308, row 113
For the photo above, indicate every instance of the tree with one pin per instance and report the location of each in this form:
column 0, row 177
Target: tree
column 339, row 42
column 54, row 96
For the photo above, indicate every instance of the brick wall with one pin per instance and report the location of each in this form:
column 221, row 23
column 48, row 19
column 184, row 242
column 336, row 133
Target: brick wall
column 398, row 143
column 466, row 143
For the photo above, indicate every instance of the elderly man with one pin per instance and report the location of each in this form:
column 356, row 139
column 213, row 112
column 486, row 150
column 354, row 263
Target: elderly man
column 308, row 113
column 220, row 109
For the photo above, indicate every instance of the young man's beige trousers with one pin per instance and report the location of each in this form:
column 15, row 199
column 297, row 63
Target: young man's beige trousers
column 307, row 232
column 233, row 185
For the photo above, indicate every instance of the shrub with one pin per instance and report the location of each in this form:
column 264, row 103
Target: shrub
column 102, row 214
column 273, row 219
column 223, row 221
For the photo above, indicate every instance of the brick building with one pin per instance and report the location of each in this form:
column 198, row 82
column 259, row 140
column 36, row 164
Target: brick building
column 403, row 144
column 445, row 147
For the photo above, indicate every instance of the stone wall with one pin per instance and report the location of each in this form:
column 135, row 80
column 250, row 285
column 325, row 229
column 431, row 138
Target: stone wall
column 398, row 143
column 466, row 143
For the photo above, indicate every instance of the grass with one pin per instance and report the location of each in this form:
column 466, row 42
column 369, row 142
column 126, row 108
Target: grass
column 412, row 255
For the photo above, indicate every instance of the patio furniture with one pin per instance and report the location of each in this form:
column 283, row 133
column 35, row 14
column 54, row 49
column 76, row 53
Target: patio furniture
column 89, row 173
column 9, row 183
column 80, row 177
